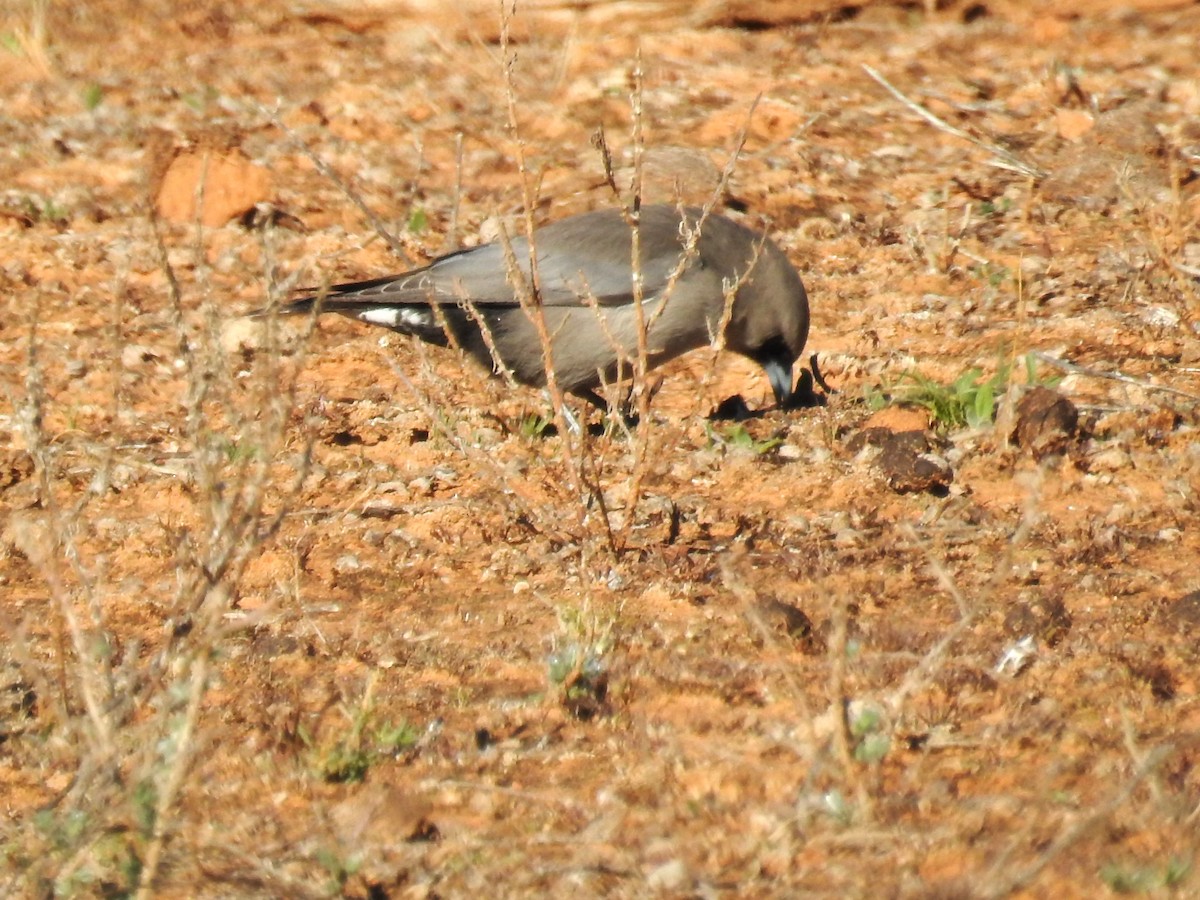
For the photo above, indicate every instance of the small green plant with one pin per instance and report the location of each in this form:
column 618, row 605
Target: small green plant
column 578, row 667
column 145, row 805
column 392, row 739
column 990, row 208
column 581, row 676
column 118, row 853
column 200, row 100
column 347, row 756
column 737, row 437
column 11, row 43
column 876, row 397
column 968, row 401
column 533, row 426
column 237, row 453
column 871, row 741
column 37, row 210
column 418, row 221
column 340, row 869
column 62, row 831
column 993, row 275
column 1145, row 879
column 93, row 96
column 1033, row 379
column 344, row 762
column 575, row 669
column 114, row 856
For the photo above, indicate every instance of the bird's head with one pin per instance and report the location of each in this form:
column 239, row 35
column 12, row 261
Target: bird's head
column 769, row 323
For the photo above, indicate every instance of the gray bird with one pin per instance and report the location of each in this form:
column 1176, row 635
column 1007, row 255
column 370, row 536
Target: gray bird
column 585, row 275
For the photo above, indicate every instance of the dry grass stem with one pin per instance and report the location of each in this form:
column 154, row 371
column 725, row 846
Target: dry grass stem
column 1004, row 159
column 407, row 253
column 1091, row 372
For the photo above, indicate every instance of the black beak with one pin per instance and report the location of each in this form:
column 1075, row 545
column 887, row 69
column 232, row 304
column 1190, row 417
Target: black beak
column 779, row 374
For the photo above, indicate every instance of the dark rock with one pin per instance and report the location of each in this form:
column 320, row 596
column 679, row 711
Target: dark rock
column 908, row 460
column 1184, row 614
column 1047, row 423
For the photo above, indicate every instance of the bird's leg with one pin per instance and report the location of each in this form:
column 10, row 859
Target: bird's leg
column 623, row 409
column 593, row 398
column 626, row 409
column 568, row 415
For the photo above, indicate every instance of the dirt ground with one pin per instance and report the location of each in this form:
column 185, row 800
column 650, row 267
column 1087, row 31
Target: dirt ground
column 290, row 617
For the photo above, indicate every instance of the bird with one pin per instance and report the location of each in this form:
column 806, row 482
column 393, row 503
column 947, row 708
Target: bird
column 479, row 298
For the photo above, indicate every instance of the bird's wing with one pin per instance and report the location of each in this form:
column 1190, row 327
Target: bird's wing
column 576, row 265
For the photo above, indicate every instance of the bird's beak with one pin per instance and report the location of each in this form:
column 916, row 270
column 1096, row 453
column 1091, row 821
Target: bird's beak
column 780, row 376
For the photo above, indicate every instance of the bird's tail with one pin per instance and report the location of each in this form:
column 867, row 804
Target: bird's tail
column 416, row 319
column 302, row 306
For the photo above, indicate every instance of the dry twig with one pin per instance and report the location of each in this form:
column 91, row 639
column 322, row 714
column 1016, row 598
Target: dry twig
column 1004, row 159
